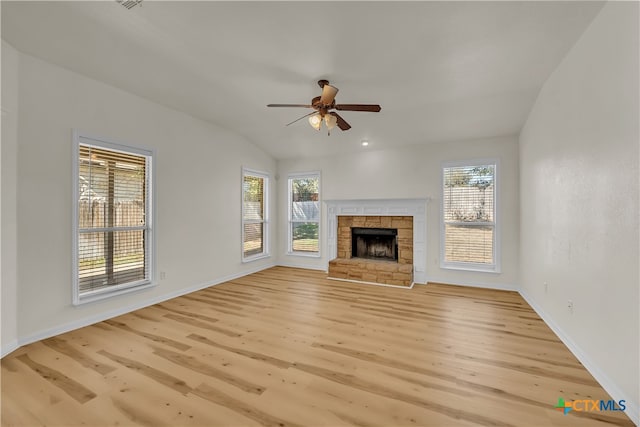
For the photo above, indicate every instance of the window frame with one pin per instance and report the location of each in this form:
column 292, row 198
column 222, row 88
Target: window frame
column 265, row 215
column 85, row 139
column 290, row 178
column 495, row 267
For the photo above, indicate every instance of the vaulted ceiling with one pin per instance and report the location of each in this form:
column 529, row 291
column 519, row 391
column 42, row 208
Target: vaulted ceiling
column 442, row 71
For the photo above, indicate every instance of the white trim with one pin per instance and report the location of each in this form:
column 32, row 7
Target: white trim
column 265, row 215
column 290, row 251
column 9, row 348
column 416, row 208
column 633, row 408
column 475, row 284
column 300, row 262
column 75, row 195
column 111, row 144
column 304, row 254
column 496, row 267
column 104, row 293
column 255, row 257
column 470, row 266
column 90, row 320
column 372, row 283
column 84, row 138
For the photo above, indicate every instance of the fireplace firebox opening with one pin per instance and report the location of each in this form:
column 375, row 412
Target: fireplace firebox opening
column 374, row 243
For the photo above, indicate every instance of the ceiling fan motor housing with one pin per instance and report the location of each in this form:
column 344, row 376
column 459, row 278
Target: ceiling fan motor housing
column 317, row 104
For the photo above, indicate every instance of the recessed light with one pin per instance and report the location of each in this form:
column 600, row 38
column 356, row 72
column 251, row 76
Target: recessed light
column 365, row 142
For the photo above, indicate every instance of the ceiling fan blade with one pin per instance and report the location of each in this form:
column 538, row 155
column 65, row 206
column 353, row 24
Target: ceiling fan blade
column 306, row 115
column 290, row 105
column 374, row 108
column 342, row 124
column 328, row 94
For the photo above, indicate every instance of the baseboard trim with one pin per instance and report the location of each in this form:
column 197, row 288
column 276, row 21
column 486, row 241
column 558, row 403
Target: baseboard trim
column 9, row 348
column 633, row 410
column 86, row 321
column 505, row 287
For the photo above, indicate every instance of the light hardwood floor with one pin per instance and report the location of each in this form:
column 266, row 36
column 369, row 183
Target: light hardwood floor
column 288, row 347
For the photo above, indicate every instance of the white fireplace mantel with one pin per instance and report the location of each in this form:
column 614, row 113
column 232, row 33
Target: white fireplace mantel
column 416, row 208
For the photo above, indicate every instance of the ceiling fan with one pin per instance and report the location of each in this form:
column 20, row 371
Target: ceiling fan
column 323, row 104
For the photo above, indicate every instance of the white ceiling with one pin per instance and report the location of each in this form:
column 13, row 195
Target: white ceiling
column 442, row 71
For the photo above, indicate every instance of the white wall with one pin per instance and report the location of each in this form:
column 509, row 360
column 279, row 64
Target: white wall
column 198, row 201
column 8, row 184
column 579, row 201
column 412, row 172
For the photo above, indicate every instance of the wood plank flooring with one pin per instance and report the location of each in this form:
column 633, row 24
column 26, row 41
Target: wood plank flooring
column 287, row 347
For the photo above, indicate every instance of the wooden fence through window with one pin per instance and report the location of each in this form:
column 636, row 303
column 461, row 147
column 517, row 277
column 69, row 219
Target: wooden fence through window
column 93, row 214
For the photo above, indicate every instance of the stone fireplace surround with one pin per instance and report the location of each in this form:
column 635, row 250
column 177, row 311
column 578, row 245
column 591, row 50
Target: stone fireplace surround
column 413, row 209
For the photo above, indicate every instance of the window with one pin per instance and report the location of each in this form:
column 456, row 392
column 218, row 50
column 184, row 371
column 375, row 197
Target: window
column 304, row 214
column 112, row 218
column 469, row 225
column 254, row 215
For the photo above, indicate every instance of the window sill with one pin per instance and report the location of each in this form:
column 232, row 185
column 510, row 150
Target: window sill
column 471, row 267
column 110, row 292
column 304, row 254
column 255, row 257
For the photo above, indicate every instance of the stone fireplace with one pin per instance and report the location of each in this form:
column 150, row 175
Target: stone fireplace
column 375, row 249
column 406, row 216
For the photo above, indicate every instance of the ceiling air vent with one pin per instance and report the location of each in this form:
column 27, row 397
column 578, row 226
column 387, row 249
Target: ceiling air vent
column 129, row 3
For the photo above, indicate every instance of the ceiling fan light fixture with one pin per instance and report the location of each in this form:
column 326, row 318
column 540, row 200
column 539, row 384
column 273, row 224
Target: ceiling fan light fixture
column 315, row 121
column 330, row 120
column 328, row 94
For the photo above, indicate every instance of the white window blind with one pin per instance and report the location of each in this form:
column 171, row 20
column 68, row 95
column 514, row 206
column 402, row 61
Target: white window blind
column 469, row 217
column 254, row 218
column 112, row 224
column 304, row 213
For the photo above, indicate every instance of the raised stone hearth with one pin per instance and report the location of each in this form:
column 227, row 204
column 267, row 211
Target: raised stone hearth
column 372, row 271
column 348, row 266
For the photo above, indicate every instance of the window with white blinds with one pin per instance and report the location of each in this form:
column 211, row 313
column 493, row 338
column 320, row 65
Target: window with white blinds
column 254, row 215
column 469, row 225
column 112, row 218
column 304, row 214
